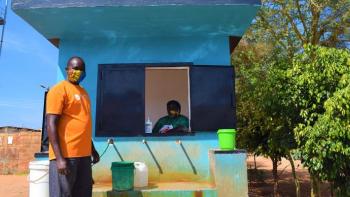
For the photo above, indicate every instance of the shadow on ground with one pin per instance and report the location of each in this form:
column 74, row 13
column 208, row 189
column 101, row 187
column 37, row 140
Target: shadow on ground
column 261, row 180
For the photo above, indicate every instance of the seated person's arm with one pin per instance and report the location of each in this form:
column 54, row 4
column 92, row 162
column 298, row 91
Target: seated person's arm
column 179, row 129
column 162, row 126
column 157, row 127
column 184, row 127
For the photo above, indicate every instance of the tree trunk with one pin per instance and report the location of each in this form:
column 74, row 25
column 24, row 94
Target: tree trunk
column 296, row 180
column 332, row 189
column 315, row 186
column 255, row 168
column 275, row 177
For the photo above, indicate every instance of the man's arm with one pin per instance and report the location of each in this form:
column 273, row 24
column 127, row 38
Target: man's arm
column 52, row 125
column 95, row 155
column 179, row 129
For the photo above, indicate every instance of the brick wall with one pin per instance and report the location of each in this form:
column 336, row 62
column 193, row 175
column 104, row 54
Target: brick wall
column 15, row 156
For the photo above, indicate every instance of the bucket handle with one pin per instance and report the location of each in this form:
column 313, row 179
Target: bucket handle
column 38, row 179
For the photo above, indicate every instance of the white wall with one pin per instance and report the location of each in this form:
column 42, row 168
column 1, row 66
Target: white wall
column 163, row 85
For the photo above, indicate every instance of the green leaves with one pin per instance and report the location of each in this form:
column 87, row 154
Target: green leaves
column 324, row 99
column 315, row 76
column 303, row 105
column 292, row 93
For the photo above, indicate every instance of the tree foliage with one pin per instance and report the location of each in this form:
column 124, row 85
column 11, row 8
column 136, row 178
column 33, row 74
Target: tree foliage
column 269, row 56
column 266, row 117
column 290, row 24
column 321, row 89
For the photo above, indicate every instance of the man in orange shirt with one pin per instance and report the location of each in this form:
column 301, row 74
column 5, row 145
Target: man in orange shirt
column 69, row 127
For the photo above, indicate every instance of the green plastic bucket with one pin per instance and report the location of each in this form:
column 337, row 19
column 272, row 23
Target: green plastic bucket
column 227, row 139
column 122, row 176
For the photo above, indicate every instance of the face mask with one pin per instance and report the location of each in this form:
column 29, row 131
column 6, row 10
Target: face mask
column 173, row 113
column 76, row 76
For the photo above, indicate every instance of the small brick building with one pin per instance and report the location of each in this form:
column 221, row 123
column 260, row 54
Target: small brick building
column 17, row 149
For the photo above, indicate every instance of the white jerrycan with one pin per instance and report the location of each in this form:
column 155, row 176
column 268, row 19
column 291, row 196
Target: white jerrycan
column 141, row 175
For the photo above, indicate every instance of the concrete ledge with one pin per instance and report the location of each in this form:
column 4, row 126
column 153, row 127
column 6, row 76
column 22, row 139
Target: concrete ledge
column 174, row 189
column 237, row 151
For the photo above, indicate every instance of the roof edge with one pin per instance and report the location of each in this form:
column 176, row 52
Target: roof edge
column 25, row 4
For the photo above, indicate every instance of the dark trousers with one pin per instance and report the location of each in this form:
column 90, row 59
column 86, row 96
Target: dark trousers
column 78, row 183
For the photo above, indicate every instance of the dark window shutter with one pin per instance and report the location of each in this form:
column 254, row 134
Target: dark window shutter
column 212, row 98
column 121, row 101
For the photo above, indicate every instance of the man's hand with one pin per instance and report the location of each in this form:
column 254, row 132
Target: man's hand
column 62, row 166
column 164, row 130
column 95, row 157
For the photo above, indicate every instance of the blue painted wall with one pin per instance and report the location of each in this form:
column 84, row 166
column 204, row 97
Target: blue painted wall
column 169, row 154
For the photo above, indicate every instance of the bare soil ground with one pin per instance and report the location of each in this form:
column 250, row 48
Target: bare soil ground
column 14, row 186
column 260, row 180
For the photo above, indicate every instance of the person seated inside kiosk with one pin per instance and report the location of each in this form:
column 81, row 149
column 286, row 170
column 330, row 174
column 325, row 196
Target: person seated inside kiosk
column 174, row 122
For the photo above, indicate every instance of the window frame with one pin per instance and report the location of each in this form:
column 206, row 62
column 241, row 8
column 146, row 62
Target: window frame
column 144, row 66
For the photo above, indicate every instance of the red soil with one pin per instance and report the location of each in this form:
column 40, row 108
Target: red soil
column 261, row 181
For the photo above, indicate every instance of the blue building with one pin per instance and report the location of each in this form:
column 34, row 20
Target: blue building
column 139, row 55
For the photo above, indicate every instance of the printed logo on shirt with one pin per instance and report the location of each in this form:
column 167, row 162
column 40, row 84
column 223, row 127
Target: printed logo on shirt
column 77, row 97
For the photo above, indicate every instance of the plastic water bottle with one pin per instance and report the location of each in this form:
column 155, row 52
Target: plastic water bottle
column 148, row 126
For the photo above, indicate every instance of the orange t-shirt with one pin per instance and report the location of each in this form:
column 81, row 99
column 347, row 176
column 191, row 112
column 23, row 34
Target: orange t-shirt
column 72, row 103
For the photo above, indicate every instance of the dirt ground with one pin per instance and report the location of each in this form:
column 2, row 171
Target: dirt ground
column 260, row 181
column 14, row 186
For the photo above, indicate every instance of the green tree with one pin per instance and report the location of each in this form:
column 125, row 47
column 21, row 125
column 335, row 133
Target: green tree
column 281, row 29
column 320, row 80
column 290, row 24
column 267, row 116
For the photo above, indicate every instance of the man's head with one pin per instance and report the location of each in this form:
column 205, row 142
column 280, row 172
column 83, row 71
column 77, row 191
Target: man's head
column 174, row 108
column 75, row 70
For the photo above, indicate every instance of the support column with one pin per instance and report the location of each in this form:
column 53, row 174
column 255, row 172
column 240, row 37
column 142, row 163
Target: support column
column 229, row 171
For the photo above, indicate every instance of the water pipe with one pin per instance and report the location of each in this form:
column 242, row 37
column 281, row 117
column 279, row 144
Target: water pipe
column 153, row 157
column 110, row 141
column 179, row 142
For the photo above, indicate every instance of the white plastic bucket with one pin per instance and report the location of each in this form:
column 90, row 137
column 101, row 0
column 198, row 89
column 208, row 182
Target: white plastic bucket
column 141, row 175
column 39, row 178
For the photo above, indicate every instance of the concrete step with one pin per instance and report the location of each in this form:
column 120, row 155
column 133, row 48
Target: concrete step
column 172, row 189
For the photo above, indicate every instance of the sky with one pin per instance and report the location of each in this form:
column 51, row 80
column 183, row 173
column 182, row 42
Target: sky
column 27, row 61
